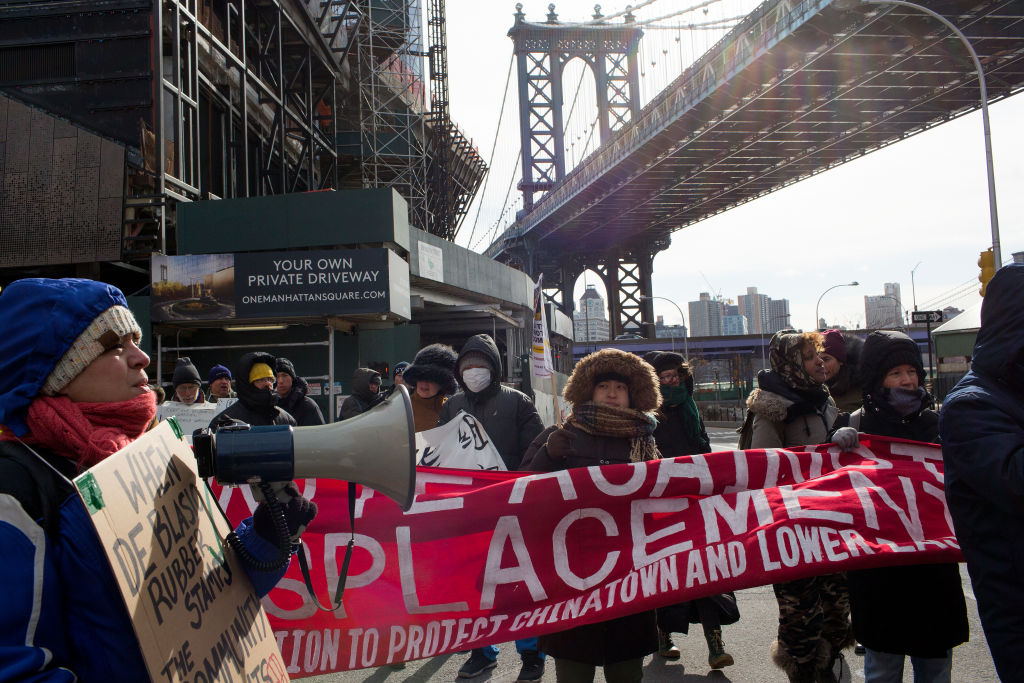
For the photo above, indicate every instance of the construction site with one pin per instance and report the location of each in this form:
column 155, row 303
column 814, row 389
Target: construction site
column 113, row 113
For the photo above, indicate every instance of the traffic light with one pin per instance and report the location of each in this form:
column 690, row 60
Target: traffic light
column 987, row 263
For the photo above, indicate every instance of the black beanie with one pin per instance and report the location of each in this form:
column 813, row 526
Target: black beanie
column 284, row 365
column 883, row 350
column 185, row 373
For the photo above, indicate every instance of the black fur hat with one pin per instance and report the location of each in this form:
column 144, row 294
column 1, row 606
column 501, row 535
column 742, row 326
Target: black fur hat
column 434, row 363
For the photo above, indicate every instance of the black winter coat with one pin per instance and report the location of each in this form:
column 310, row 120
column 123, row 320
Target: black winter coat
column 304, row 409
column 361, row 399
column 610, row 641
column 916, row 609
column 254, row 407
column 672, row 437
column 508, row 416
column 982, row 430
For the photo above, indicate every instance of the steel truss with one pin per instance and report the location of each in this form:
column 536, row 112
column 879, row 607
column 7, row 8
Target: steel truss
column 542, row 51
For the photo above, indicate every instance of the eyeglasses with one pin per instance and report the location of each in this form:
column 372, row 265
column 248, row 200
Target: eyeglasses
column 263, row 383
column 668, row 375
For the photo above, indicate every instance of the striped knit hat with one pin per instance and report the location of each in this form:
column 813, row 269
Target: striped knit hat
column 52, row 333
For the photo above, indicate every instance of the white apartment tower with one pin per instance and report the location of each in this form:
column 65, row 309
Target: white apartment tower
column 590, row 321
column 884, row 311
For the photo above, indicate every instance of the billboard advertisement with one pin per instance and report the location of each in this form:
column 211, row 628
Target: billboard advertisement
column 278, row 284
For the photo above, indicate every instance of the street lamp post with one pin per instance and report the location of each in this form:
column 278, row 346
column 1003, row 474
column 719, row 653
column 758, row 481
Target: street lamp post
column 817, row 318
column 913, row 290
column 686, row 346
column 989, row 168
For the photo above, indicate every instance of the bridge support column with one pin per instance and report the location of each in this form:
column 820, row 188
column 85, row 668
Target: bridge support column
column 627, row 279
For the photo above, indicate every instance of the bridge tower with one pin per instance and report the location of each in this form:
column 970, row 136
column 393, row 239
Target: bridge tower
column 542, row 51
column 610, row 50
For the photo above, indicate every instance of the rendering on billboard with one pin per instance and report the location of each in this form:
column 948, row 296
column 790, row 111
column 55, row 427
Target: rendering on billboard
column 270, row 284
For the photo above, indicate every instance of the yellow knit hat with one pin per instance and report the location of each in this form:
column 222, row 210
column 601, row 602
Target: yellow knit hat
column 260, row 371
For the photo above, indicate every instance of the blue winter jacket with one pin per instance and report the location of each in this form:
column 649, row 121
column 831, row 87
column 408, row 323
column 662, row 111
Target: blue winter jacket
column 982, row 431
column 62, row 617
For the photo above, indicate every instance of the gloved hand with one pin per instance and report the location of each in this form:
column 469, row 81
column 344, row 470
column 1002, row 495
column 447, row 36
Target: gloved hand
column 846, row 438
column 560, row 444
column 298, row 513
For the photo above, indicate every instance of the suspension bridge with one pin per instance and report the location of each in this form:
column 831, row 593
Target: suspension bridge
column 793, row 89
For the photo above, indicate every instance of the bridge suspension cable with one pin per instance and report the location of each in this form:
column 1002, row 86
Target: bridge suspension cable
column 494, row 146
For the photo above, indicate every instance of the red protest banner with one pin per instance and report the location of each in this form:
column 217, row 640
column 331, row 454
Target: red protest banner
column 486, row 557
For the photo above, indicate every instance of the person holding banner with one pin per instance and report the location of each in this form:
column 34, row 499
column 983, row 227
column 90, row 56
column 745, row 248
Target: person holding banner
column 680, row 432
column 791, row 406
column 914, row 610
column 73, row 391
column 982, row 430
column 613, row 396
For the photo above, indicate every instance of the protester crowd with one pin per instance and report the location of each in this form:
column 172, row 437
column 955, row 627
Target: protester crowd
column 67, row 404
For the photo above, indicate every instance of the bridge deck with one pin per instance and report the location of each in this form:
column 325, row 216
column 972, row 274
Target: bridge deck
column 795, row 89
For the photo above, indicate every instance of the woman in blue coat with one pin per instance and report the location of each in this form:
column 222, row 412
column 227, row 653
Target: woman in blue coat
column 73, row 391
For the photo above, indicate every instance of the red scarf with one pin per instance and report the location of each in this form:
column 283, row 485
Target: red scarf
column 88, row 432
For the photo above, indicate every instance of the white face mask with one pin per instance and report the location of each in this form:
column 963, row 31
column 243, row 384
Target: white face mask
column 476, row 379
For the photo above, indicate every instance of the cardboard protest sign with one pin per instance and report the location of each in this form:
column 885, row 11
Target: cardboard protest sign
column 194, row 416
column 194, row 610
column 485, row 557
column 460, row 443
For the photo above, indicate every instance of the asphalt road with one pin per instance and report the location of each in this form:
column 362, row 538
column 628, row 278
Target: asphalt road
column 748, row 641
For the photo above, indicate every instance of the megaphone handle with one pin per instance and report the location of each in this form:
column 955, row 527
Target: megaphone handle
column 343, row 574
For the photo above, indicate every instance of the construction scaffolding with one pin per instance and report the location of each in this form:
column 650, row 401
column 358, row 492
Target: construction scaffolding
column 191, row 100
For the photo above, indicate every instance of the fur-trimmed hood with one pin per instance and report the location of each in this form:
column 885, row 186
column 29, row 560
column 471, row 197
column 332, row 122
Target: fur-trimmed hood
column 643, row 383
column 769, row 405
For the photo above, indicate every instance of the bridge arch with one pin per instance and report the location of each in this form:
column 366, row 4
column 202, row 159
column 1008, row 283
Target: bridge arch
column 541, row 51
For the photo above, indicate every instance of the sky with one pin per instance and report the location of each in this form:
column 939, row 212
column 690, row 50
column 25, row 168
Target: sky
column 918, row 205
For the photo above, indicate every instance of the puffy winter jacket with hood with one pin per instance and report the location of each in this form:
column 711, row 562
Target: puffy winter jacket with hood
column 982, row 430
column 254, row 406
column 361, row 399
column 508, row 416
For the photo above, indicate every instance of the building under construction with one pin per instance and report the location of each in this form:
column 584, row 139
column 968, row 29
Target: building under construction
column 115, row 112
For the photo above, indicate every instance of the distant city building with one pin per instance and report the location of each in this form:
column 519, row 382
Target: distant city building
column 884, row 311
column 778, row 315
column 755, row 307
column 664, row 331
column 734, row 324
column 706, row 316
column 589, row 322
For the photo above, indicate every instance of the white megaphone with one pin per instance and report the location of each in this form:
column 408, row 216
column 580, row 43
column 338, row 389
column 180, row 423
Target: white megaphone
column 376, row 449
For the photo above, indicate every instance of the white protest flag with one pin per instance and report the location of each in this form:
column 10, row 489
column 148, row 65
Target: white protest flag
column 461, row 443
column 542, row 365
